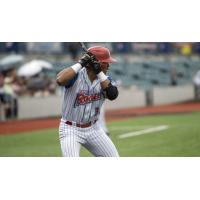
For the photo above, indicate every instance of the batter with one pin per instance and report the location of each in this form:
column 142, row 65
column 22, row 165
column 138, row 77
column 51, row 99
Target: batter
column 85, row 88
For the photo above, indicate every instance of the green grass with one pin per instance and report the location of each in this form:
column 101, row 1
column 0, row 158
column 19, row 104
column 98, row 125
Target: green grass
column 181, row 139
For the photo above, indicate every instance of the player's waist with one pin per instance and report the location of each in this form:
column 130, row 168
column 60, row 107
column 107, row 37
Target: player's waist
column 79, row 125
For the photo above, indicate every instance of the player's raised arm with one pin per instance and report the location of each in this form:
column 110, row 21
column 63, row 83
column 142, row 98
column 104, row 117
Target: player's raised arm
column 64, row 76
column 100, row 67
column 100, row 70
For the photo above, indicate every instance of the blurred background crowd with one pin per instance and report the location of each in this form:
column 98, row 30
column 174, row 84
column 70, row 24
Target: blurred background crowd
column 115, row 47
column 29, row 68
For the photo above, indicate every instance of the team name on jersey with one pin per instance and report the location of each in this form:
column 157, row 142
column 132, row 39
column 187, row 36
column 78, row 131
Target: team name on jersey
column 83, row 98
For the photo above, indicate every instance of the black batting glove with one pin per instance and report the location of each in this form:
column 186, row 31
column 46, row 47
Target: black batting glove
column 96, row 67
column 85, row 59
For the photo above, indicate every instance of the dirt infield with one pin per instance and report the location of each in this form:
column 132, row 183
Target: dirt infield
column 17, row 126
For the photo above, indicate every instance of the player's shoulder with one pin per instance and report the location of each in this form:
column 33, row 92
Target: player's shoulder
column 76, row 77
column 72, row 81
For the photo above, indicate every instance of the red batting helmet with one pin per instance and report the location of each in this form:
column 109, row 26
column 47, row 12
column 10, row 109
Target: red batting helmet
column 102, row 54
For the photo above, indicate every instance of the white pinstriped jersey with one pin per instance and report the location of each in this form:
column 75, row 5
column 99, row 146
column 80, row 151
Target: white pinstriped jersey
column 82, row 100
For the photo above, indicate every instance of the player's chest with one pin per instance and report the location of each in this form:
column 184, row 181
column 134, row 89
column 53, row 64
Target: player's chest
column 88, row 87
column 87, row 94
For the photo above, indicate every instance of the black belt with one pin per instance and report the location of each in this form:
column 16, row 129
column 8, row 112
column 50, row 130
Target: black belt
column 80, row 125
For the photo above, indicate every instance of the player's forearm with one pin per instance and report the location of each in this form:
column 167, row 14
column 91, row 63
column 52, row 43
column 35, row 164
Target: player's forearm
column 104, row 81
column 110, row 90
column 66, row 75
column 105, row 84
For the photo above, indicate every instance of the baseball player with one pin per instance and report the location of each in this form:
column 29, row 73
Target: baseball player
column 85, row 88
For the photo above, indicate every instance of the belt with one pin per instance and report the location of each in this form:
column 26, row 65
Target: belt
column 80, row 125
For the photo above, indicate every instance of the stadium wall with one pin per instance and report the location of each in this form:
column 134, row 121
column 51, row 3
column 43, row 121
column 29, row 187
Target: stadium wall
column 128, row 98
column 168, row 95
column 41, row 107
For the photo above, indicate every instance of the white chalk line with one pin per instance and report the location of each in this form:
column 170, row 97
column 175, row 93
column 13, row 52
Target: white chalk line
column 145, row 131
column 128, row 128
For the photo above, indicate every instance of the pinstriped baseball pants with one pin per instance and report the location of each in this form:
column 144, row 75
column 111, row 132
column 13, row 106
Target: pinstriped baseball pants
column 92, row 138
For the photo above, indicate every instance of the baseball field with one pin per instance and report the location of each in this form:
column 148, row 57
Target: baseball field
column 154, row 135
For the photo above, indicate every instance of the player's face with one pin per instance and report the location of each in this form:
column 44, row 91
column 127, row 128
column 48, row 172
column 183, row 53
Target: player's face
column 104, row 67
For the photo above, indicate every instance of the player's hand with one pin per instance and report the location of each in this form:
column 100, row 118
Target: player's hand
column 85, row 59
column 96, row 67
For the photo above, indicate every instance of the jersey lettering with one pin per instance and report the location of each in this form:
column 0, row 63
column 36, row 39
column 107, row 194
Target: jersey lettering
column 83, row 98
